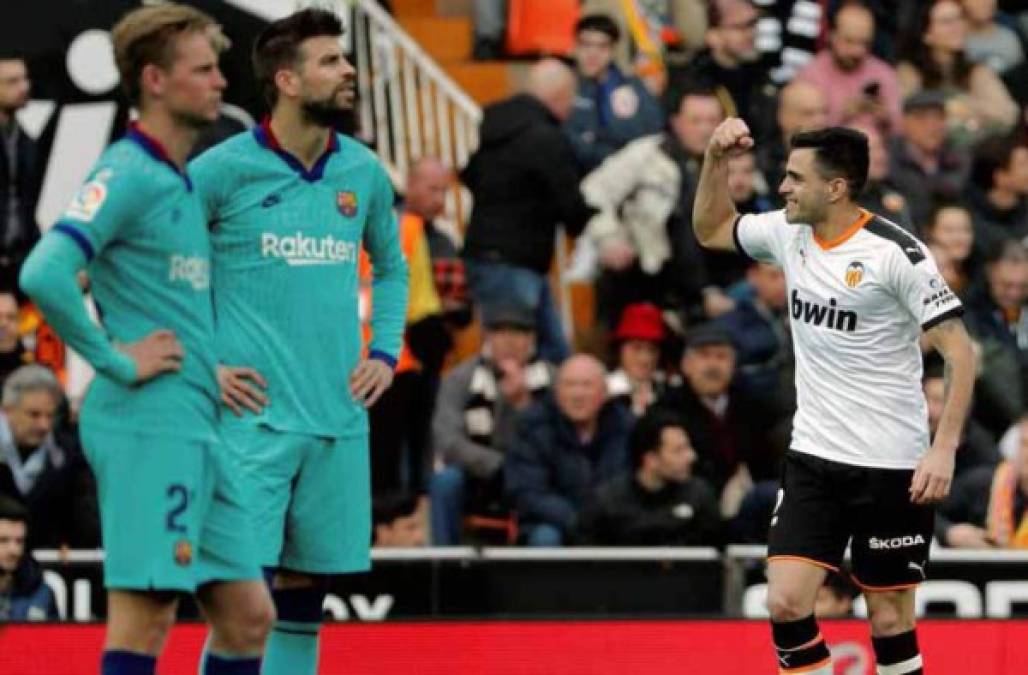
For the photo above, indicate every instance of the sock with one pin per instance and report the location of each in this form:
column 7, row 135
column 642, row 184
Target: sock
column 221, row 664
column 293, row 644
column 800, row 647
column 898, row 654
column 121, row 662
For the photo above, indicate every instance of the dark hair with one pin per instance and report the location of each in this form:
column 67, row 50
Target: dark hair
column 990, row 155
column 714, row 14
column 278, row 45
column 12, row 510
column 599, row 23
column 839, row 152
column 645, row 436
column 940, row 206
column 848, row 4
column 1006, row 250
column 389, row 506
column 913, row 50
column 676, row 94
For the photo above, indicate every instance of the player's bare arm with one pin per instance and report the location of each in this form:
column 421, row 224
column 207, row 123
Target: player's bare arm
column 934, row 474
column 713, row 213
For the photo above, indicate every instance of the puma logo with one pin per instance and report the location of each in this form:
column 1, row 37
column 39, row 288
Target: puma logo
column 920, row 568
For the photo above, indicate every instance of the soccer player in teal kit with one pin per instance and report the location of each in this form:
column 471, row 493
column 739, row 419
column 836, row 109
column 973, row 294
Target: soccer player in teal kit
column 172, row 516
column 290, row 204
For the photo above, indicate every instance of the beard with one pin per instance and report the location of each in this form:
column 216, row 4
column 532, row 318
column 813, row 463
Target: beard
column 194, row 121
column 327, row 112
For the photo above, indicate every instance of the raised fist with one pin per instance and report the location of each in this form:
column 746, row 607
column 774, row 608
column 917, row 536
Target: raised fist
column 730, row 137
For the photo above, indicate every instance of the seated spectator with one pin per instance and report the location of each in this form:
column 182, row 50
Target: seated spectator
column 879, row 195
column 638, row 381
column 612, row 108
column 727, row 429
column 997, row 318
column 659, row 502
column 743, row 188
column 788, row 35
column 23, row 595
column 951, row 237
column 43, row 468
column 13, row 354
column 997, row 195
column 988, row 506
column 988, row 41
column 473, row 424
column 759, row 329
column 731, row 64
column 859, row 87
column 801, row 107
column 924, row 166
column 397, row 521
column 835, row 597
column 565, row 446
column 977, row 446
column 934, row 58
column 643, row 230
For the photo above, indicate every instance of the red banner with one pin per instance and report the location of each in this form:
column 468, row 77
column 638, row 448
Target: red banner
column 526, row 648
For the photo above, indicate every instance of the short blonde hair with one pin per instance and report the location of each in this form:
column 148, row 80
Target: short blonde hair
column 148, row 35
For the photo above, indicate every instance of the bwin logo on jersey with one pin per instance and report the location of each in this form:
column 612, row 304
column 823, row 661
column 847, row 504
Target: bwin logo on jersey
column 300, row 249
column 194, row 270
column 819, row 315
column 876, row 544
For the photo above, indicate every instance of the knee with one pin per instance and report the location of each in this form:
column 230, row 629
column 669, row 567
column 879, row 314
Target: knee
column 889, row 615
column 785, row 604
column 153, row 630
column 246, row 628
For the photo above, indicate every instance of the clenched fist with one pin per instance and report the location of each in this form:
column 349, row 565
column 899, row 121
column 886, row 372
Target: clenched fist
column 730, row 138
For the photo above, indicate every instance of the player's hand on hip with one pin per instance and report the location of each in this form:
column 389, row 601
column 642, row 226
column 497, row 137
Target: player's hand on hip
column 729, row 138
column 933, row 477
column 157, row 353
column 369, row 381
column 242, row 388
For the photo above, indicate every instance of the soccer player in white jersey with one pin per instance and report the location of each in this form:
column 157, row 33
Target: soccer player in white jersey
column 860, row 469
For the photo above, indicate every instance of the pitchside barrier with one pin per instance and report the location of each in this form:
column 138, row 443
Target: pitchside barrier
column 464, row 583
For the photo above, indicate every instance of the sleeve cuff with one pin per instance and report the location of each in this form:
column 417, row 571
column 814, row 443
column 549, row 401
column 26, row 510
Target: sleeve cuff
column 121, row 368
column 948, row 314
column 78, row 237
column 389, row 359
column 735, row 238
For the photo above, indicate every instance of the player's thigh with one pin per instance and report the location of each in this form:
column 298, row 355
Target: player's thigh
column 329, row 522
column 892, row 536
column 808, row 523
column 265, row 464
column 152, row 498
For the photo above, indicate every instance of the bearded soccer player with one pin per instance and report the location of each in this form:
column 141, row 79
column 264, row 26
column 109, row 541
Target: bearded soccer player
column 290, row 204
column 173, row 517
column 860, row 469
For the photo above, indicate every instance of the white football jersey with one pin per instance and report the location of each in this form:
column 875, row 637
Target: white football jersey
column 857, row 306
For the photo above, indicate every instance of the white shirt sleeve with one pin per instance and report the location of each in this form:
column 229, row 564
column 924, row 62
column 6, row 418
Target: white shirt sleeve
column 922, row 290
column 761, row 236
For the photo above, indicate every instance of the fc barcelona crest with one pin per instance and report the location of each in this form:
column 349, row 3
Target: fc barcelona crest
column 347, row 203
column 854, row 274
column 183, row 552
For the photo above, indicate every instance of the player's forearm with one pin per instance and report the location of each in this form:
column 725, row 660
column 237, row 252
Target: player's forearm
column 49, row 278
column 959, row 388
column 389, row 293
column 712, row 209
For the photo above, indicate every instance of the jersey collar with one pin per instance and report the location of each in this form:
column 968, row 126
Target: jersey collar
column 266, row 137
column 155, row 149
column 858, row 224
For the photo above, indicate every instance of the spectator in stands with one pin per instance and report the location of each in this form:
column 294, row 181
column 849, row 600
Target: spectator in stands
column 743, row 177
column 727, row 429
column 951, row 234
column 524, row 182
column 879, row 195
column 801, row 107
column 933, row 58
column 924, row 166
column 997, row 194
column 730, row 64
column 638, row 381
column 43, row 469
column 564, row 447
column 859, row 87
column 988, row 505
column 489, row 19
column 12, row 352
column 835, row 597
column 19, row 173
column 988, row 41
column 977, row 447
column 397, row 520
column 759, row 329
column 23, row 595
column 473, row 425
column 643, row 230
column 612, row 108
column 659, row 502
column 997, row 317
column 788, row 35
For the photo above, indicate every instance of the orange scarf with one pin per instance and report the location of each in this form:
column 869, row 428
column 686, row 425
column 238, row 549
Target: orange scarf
column 1000, row 521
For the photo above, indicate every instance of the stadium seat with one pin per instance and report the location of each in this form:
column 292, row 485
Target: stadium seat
column 541, row 27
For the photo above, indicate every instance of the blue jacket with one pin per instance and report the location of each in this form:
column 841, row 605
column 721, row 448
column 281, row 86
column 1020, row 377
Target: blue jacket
column 762, row 348
column 30, row 599
column 549, row 473
column 609, row 114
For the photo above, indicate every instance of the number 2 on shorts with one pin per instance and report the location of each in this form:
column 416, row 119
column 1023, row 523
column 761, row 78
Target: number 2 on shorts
column 179, row 496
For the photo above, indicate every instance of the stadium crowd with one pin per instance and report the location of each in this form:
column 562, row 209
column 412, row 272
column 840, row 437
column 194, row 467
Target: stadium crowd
column 669, row 429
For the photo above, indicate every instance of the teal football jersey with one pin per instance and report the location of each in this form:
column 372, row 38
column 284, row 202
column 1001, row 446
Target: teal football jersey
column 142, row 228
column 286, row 242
